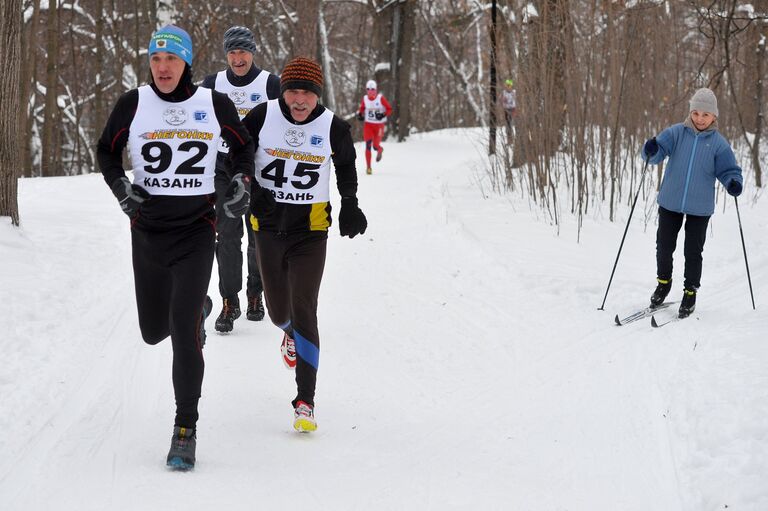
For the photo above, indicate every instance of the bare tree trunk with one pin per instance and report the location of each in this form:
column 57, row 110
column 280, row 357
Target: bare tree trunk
column 51, row 114
column 28, row 79
column 493, row 107
column 329, row 92
column 10, row 139
column 382, row 49
column 727, row 33
column 455, row 68
column 99, row 107
column 305, row 31
column 395, row 40
column 617, row 127
column 403, row 105
column 760, row 56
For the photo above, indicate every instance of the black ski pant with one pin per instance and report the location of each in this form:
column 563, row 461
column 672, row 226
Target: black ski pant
column 509, row 118
column 172, row 270
column 666, row 241
column 292, row 268
column 229, row 252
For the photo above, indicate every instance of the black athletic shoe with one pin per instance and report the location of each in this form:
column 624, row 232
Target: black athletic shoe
column 182, row 453
column 255, row 310
column 379, row 154
column 662, row 290
column 207, row 308
column 688, row 303
column 229, row 313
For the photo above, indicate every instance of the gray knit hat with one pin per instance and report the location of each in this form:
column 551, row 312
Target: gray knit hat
column 239, row 38
column 704, row 100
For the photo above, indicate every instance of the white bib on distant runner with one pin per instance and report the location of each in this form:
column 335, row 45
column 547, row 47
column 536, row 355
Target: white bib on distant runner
column 371, row 107
column 244, row 98
column 295, row 161
column 173, row 145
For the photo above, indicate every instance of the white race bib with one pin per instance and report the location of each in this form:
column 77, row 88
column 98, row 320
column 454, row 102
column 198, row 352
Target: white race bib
column 173, row 145
column 292, row 161
column 244, row 98
column 372, row 107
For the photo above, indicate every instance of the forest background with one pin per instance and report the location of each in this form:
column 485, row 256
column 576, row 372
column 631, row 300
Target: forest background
column 594, row 78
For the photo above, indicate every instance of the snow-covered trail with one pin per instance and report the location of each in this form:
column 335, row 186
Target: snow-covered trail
column 463, row 365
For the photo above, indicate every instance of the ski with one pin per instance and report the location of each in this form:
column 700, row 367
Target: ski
column 642, row 313
column 656, row 324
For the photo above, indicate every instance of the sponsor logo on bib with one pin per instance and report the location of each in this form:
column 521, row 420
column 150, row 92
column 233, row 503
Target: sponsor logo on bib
column 294, row 137
column 316, row 141
column 201, row 116
column 237, row 97
column 175, row 116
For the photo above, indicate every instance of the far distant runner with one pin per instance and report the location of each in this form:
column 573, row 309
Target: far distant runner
column 374, row 110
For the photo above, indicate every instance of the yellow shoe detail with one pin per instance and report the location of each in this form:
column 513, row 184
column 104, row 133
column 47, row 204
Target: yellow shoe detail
column 304, row 425
column 369, row 170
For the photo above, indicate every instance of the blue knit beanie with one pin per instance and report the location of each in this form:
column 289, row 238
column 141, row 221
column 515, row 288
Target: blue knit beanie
column 174, row 40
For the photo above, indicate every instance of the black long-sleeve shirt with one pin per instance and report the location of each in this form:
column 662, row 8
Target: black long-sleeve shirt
column 167, row 211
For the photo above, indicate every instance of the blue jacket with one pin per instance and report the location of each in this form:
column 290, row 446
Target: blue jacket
column 695, row 160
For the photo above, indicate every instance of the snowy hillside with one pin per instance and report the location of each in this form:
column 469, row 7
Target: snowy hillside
column 464, row 365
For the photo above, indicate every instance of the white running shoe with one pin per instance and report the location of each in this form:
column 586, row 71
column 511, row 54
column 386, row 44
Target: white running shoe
column 304, row 418
column 288, row 349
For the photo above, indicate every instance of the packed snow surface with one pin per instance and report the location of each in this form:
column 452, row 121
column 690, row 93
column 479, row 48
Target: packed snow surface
column 464, row 363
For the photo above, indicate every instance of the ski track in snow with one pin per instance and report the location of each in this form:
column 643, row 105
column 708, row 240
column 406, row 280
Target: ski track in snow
column 463, row 363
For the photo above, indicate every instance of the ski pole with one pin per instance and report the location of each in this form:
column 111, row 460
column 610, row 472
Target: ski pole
column 642, row 178
column 744, row 247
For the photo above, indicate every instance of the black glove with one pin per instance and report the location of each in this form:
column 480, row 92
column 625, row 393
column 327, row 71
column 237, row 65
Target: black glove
column 734, row 187
column 238, row 196
column 360, row 116
column 351, row 219
column 263, row 202
column 379, row 115
column 651, row 147
column 129, row 196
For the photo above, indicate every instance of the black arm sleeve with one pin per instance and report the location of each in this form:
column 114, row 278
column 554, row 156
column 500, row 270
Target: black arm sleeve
column 273, row 86
column 343, row 155
column 209, row 82
column 109, row 151
column 237, row 137
column 254, row 121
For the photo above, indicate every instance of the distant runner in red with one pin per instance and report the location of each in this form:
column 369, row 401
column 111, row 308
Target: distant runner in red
column 374, row 110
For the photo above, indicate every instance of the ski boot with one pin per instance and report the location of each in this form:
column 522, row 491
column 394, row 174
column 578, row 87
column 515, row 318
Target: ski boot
column 661, row 292
column 182, row 453
column 304, row 417
column 255, row 310
column 379, row 154
column 229, row 313
column 369, row 171
column 288, row 350
column 688, row 304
